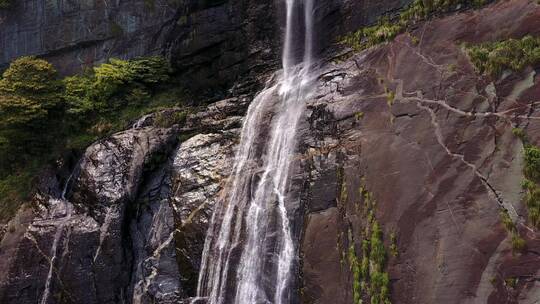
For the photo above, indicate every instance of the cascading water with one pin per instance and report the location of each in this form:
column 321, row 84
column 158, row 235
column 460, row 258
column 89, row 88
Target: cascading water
column 250, row 228
column 63, row 204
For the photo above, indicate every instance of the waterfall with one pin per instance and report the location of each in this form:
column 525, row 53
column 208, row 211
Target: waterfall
column 67, row 207
column 249, row 251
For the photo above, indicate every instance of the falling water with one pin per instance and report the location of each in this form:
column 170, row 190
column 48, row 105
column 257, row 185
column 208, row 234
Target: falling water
column 250, row 228
column 68, row 209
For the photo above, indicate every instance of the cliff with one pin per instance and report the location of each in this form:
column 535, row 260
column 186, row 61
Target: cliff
column 405, row 145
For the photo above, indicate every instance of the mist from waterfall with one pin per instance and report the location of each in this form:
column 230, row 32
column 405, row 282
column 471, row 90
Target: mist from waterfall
column 249, row 251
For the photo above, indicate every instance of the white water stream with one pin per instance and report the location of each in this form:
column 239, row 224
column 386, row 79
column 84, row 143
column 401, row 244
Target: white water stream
column 60, row 225
column 249, row 250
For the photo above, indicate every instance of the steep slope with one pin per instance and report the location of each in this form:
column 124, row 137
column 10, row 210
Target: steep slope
column 406, row 158
column 413, row 127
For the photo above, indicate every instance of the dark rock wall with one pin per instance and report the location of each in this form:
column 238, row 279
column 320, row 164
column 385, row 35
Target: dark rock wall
column 213, row 44
column 75, row 34
column 438, row 156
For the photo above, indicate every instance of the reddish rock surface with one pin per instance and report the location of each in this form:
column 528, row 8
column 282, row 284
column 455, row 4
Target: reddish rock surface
column 440, row 160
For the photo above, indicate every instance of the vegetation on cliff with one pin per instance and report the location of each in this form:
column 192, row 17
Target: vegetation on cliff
column 531, row 171
column 370, row 280
column 43, row 116
column 6, row 4
column 387, row 28
column 493, row 58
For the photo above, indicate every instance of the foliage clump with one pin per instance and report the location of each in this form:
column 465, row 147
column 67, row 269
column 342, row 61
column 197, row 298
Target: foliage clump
column 531, row 171
column 518, row 243
column 114, row 85
column 30, row 105
column 5, row 4
column 43, row 116
column 370, row 280
column 387, row 28
column 493, row 58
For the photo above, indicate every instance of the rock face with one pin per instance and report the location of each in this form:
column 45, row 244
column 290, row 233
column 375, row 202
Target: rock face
column 412, row 124
column 78, row 249
column 211, row 41
column 74, row 34
column 432, row 141
column 132, row 225
column 213, row 44
column 200, row 168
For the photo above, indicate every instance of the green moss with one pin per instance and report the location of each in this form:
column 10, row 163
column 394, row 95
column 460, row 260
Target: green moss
column 387, row 29
column 167, row 120
column 115, row 29
column 512, row 54
column 415, row 40
column 518, row 243
column 390, row 96
column 359, row 115
column 507, row 221
column 511, row 282
column 519, row 133
column 393, row 244
column 15, row 189
column 150, row 4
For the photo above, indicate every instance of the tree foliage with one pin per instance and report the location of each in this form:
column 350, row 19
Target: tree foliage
column 43, row 116
column 115, row 84
column 30, row 102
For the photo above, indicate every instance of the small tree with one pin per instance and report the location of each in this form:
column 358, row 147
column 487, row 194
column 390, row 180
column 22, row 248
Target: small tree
column 30, row 103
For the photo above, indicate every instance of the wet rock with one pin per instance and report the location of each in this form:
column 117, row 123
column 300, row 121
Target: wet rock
column 77, row 249
column 201, row 166
column 156, row 278
column 213, row 44
column 222, row 115
column 75, row 34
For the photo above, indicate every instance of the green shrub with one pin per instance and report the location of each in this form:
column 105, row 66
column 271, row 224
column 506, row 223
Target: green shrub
column 31, row 106
column 518, row 243
column 370, row 279
column 387, row 29
column 34, row 78
column 115, row 85
column 519, row 133
column 393, row 244
column 511, row 282
column 42, row 117
column 532, row 162
column 4, row 4
column 507, row 221
column 168, row 119
column 513, row 54
column 532, row 201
